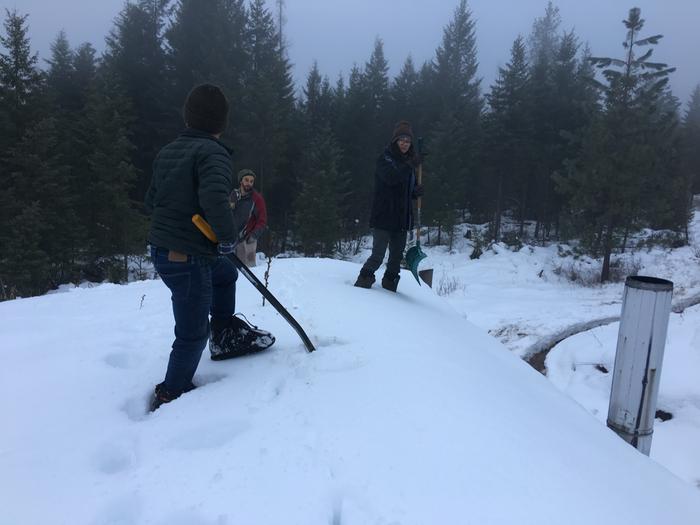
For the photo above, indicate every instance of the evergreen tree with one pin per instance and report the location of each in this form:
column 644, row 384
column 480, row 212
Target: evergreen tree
column 84, row 68
column 43, row 178
column 317, row 106
column 136, row 58
column 317, row 211
column 211, row 42
column 691, row 139
column 403, row 98
column 508, row 131
column 375, row 136
column 317, row 208
column 666, row 195
column 20, row 80
column 60, row 76
column 376, row 80
column 620, row 153
column 456, row 136
column 268, row 103
column 358, row 151
column 544, row 42
column 116, row 229
column 20, row 109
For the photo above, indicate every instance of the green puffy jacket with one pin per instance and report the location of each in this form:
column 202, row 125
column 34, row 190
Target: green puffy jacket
column 192, row 174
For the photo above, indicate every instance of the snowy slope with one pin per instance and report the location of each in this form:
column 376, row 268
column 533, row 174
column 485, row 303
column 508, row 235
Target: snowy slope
column 582, row 367
column 406, row 414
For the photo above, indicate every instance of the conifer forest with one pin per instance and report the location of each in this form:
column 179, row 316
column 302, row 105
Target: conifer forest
column 563, row 146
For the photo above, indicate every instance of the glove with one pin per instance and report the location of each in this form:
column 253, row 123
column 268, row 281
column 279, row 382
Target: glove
column 418, row 190
column 226, row 248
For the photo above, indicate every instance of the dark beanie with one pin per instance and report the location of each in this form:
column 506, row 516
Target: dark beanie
column 206, row 109
column 402, row 128
column 245, row 172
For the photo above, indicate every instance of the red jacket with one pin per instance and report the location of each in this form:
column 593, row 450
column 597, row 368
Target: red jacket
column 249, row 213
column 258, row 217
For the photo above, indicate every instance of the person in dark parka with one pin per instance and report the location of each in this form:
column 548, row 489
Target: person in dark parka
column 395, row 187
column 193, row 175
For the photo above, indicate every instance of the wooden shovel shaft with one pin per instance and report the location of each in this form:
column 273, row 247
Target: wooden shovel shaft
column 419, row 178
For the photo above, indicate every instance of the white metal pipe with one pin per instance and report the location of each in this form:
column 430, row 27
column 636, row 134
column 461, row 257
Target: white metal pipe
column 646, row 307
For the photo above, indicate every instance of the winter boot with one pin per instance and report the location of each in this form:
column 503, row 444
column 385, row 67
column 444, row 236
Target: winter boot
column 365, row 279
column 390, row 282
column 162, row 396
column 235, row 338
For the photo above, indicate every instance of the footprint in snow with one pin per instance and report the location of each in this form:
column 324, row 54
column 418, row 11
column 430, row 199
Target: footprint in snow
column 122, row 510
column 139, row 408
column 213, row 434
column 122, row 360
column 116, row 456
column 189, row 517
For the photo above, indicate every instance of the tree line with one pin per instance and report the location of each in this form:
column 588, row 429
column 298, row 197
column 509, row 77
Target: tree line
column 563, row 145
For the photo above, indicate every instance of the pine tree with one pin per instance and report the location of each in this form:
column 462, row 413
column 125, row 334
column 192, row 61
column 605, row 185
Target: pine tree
column 136, row 58
column 376, row 80
column 317, row 106
column 116, row 229
column 20, row 80
column 508, row 132
column 60, row 76
column 358, row 150
column 20, row 107
column 691, row 139
column 199, row 43
column 371, row 139
column 268, row 105
column 622, row 149
column 544, row 41
column 456, row 137
column 317, row 207
column 43, row 178
column 403, row 98
column 666, row 195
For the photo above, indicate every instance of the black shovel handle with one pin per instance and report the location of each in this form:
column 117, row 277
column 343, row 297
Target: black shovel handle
column 204, row 227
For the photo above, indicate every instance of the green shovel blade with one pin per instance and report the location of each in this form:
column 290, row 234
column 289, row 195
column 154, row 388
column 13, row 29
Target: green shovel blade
column 414, row 256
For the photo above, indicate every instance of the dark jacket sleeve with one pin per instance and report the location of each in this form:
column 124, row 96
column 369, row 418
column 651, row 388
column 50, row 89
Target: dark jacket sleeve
column 214, row 173
column 391, row 172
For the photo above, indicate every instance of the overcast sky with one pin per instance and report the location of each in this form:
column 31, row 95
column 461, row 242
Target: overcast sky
column 339, row 33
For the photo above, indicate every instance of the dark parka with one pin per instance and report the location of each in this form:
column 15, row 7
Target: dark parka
column 394, row 183
column 192, row 174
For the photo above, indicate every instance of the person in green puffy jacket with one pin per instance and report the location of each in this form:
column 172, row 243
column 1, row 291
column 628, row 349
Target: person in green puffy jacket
column 193, row 175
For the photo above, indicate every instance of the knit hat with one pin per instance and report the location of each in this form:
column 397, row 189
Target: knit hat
column 206, row 109
column 402, row 128
column 245, row 172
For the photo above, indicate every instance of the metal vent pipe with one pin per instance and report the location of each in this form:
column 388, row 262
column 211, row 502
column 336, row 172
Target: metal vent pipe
column 646, row 306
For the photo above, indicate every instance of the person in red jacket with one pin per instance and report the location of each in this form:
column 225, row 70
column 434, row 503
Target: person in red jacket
column 249, row 216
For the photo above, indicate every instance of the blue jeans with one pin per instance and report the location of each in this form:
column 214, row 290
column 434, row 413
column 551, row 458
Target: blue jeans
column 199, row 286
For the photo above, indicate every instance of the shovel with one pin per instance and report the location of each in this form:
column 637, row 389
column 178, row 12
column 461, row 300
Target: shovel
column 206, row 229
column 415, row 255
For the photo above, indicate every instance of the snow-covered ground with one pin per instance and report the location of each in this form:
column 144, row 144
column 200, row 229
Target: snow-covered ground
column 527, row 300
column 408, row 412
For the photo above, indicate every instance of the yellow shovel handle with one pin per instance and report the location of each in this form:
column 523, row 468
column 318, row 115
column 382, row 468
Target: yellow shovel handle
column 204, row 227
